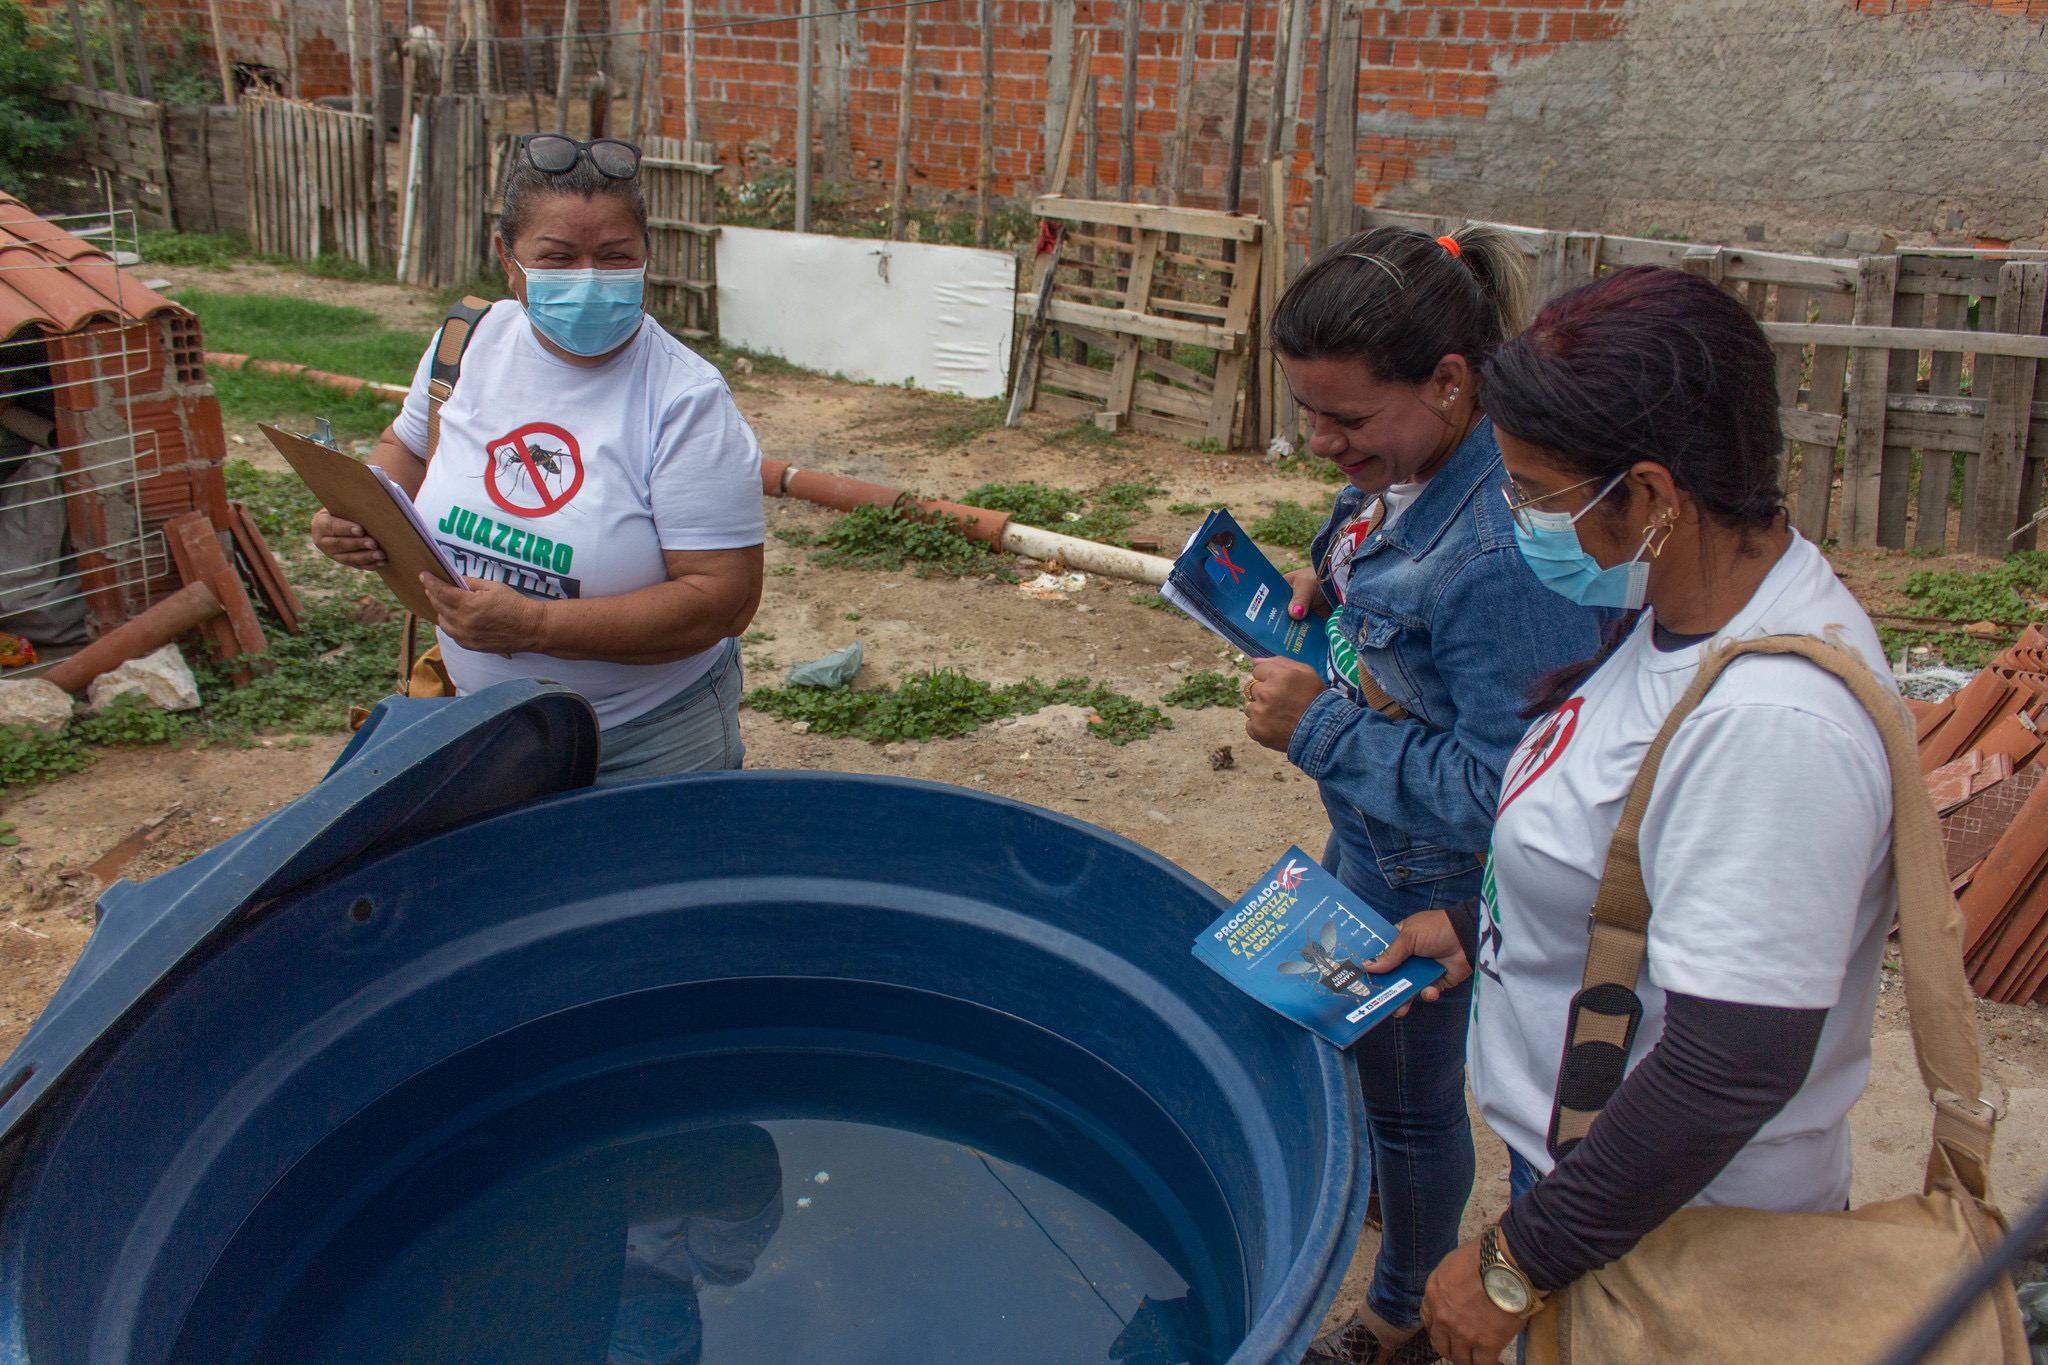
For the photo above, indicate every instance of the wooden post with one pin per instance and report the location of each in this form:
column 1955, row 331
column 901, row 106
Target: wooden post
column 692, row 125
column 1824, row 389
column 1895, row 473
column 832, row 121
column 380, row 193
column 221, row 58
column 650, row 74
column 804, row 96
column 1272, row 279
column 1078, row 95
column 1091, row 142
column 1340, row 202
column 1276, row 108
column 984, row 199
column 1877, row 280
column 1319, row 133
column 1937, row 467
column 2008, row 411
column 899, row 193
column 355, row 60
column 1297, row 59
column 1183, row 100
column 531, row 55
column 289, row 27
column 481, row 31
column 1127, row 127
column 1233, row 176
column 1059, row 92
column 568, row 63
column 117, row 48
column 143, row 82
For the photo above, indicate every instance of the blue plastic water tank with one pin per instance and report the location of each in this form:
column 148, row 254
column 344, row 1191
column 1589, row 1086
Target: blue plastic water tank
column 454, row 938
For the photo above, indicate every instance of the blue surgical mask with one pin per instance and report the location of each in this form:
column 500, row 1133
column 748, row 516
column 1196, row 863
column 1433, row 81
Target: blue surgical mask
column 1549, row 542
column 585, row 312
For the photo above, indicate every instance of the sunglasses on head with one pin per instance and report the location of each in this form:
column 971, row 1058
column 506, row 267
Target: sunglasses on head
column 552, row 154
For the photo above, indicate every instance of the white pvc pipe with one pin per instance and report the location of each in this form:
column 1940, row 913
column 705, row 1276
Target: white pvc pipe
column 412, row 190
column 1089, row 556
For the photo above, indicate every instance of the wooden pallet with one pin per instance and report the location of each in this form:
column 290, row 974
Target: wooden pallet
column 682, row 223
column 1132, row 276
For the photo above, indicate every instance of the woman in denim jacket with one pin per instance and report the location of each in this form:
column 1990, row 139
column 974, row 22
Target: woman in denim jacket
column 1437, row 630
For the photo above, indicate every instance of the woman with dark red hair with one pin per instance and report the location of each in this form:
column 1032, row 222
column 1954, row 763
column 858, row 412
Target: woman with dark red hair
column 1638, row 422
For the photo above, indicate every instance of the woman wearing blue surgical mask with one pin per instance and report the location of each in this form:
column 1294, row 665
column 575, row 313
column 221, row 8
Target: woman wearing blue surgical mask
column 592, row 480
column 1436, row 630
column 1638, row 420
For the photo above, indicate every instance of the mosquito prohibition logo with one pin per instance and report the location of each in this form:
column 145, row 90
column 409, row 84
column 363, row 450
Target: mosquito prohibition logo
column 1541, row 749
column 533, row 470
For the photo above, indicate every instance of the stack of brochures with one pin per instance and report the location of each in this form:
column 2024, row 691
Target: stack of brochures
column 1227, row 584
column 1299, row 941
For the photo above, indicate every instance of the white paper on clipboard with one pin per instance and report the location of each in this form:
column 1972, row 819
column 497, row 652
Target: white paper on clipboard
column 419, row 523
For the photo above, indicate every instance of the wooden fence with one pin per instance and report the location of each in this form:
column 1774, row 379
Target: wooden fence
column 312, row 181
column 124, row 137
column 682, row 219
column 203, row 152
column 446, row 201
column 1889, row 367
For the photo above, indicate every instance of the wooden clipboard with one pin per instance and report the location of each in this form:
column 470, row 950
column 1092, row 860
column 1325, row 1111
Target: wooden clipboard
column 347, row 488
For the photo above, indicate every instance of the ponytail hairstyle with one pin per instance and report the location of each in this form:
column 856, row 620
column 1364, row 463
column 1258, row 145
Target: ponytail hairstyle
column 1647, row 364
column 1401, row 301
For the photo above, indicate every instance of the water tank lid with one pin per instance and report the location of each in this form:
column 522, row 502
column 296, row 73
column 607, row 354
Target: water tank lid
column 415, row 768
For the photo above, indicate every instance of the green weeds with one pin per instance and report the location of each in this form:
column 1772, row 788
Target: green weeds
column 1205, row 689
column 1111, row 510
column 1289, row 524
column 887, row 538
column 943, row 703
column 216, row 250
column 2012, row 592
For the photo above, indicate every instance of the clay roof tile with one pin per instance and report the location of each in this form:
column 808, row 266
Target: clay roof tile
column 54, row 281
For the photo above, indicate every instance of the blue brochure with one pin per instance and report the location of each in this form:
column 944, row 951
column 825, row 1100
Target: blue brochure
column 1298, row 941
column 1225, row 583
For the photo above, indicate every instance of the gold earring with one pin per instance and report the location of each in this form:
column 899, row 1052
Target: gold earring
column 1667, row 522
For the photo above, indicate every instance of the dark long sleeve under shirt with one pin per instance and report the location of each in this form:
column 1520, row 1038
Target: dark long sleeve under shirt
column 1718, row 1074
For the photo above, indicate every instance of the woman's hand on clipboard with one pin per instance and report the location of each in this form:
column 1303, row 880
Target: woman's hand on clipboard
column 344, row 542
column 490, row 618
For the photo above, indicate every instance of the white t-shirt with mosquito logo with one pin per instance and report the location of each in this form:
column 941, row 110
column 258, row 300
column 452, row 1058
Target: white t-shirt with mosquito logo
column 567, row 481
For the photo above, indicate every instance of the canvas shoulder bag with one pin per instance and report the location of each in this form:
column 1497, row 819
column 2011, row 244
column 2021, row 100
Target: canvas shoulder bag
column 421, row 673
column 1728, row 1284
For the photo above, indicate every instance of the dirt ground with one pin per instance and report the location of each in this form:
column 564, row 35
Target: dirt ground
column 1201, row 794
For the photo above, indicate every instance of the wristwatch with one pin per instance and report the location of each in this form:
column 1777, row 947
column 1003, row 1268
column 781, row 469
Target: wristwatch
column 1503, row 1280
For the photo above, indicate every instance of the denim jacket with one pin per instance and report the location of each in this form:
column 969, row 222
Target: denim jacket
column 1452, row 625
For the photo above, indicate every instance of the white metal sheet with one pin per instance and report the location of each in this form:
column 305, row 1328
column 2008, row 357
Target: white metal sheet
column 933, row 317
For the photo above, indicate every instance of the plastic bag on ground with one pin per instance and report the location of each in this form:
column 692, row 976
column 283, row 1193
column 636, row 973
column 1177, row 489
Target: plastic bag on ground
column 833, row 671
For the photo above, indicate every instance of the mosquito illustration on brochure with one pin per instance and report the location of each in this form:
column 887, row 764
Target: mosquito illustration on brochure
column 1335, row 966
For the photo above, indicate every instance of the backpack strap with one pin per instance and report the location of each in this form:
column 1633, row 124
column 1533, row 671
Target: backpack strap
column 446, row 368
column 1606, row 1011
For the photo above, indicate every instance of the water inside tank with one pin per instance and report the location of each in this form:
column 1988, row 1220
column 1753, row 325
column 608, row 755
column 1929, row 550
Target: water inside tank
column 730, row 1207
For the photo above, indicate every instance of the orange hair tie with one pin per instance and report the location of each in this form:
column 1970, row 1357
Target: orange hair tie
column 1450, row 244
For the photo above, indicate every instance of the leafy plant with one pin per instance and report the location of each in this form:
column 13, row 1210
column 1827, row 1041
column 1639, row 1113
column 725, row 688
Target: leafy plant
column 215, row 249
column 888, row 537
column 129, row 720
column 2013, row 591
column 1082, row 436
column 281, row 504
column 1205, row 689
column 1289, row 524
column 1194, row 509
column 1313, row 466
column 942, row 703
column 30, row 756
column 33, row 127
column 1130, row 495
column 1034, row 504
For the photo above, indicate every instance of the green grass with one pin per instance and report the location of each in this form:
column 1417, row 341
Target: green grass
column 292, row 403
column 943, row 703
column 1289, row 524
column 1312, row 466
column 1194, row 509
column 325, row 336
column 1111, row 510
column 1204, row 689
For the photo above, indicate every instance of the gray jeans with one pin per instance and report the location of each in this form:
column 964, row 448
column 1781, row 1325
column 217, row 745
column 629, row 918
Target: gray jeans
column 697, row 730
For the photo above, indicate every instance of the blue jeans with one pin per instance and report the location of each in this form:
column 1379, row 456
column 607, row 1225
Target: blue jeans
column 697, row 730
column 1412, row 1071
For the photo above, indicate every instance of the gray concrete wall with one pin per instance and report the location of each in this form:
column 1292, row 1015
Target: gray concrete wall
column 1708, row 118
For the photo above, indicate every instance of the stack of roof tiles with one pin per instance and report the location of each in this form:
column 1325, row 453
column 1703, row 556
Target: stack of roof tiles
column 1981, row 751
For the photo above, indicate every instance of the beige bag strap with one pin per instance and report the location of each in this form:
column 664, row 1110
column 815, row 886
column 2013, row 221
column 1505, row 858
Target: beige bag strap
column 446, row 368
column 1943, row 1020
